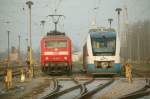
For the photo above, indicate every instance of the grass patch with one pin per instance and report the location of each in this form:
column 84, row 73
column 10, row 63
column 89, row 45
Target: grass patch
column 141, row 66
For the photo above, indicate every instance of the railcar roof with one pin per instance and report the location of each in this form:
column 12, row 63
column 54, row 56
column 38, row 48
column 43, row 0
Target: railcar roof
column 103, row 34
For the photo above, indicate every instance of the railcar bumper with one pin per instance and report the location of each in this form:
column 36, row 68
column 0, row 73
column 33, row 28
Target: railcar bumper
column 116, row 68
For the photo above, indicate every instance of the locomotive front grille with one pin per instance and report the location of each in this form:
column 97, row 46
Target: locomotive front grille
column 56, row 64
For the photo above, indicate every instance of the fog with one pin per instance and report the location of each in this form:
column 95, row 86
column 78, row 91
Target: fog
column 79, row 14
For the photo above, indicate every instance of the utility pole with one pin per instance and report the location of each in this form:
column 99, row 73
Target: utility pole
column 27, row 44
column 27, row 50
column 126, row 40
column 8, row 49
column 29, row 4
column 27, row 41
column 8, row 77
column 110, row 21
column 19, row 56
column 42, row 23
column 138, row 45
column 118, row 10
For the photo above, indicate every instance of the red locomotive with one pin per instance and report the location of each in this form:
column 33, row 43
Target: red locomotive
column 56, row 51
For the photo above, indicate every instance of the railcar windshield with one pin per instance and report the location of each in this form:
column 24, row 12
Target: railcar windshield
column 103, row 44
column 55, row 44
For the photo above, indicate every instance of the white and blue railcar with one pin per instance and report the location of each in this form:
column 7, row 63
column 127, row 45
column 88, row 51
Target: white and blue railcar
column 101, row 52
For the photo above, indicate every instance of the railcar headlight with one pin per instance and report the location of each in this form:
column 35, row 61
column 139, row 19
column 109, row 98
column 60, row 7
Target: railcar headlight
column 104, row 64
column 111, row 63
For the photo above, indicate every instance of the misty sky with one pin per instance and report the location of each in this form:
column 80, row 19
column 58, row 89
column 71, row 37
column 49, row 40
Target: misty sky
column 79, row 14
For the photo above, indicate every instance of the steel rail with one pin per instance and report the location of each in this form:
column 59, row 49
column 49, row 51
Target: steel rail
column 140, row 93
column 136, row 95
column 88, row 94
column 60, row 93
column 55, row 89
column 144, row 91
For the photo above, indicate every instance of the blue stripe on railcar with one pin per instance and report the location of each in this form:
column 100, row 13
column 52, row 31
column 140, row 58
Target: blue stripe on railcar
column 117, row 67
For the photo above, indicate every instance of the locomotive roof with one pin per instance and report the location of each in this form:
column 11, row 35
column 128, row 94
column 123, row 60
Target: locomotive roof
column 55, row 34
column 103, row 34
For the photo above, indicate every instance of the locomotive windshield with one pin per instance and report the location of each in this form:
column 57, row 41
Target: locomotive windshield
column 55, row 43
column 103, row 44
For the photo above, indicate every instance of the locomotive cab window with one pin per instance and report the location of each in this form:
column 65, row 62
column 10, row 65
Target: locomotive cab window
column 55, row 43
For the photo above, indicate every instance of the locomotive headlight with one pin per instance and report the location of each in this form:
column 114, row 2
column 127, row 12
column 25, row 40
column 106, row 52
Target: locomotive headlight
column 65, row 58
column 104, row 64
column 46, row 64
column 56, row 49
column 63, row 53
column 46, row 58
column 48, row 53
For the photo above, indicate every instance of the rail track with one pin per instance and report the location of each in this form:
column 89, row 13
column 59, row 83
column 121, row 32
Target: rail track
column 79, row 91
column 89, row 93
column 55, row 94
column 56, row 88
column 145, row 91
column 140, row 93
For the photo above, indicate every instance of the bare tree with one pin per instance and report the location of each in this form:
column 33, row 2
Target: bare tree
column 138, row 38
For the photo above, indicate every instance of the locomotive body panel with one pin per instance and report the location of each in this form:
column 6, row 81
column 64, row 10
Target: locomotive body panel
column 56, row 53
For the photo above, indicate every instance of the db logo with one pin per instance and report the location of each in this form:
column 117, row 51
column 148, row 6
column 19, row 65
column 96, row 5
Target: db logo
column 103, row 58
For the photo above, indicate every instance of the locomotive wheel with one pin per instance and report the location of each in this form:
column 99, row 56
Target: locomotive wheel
column 68, row 70
column 43, row 69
